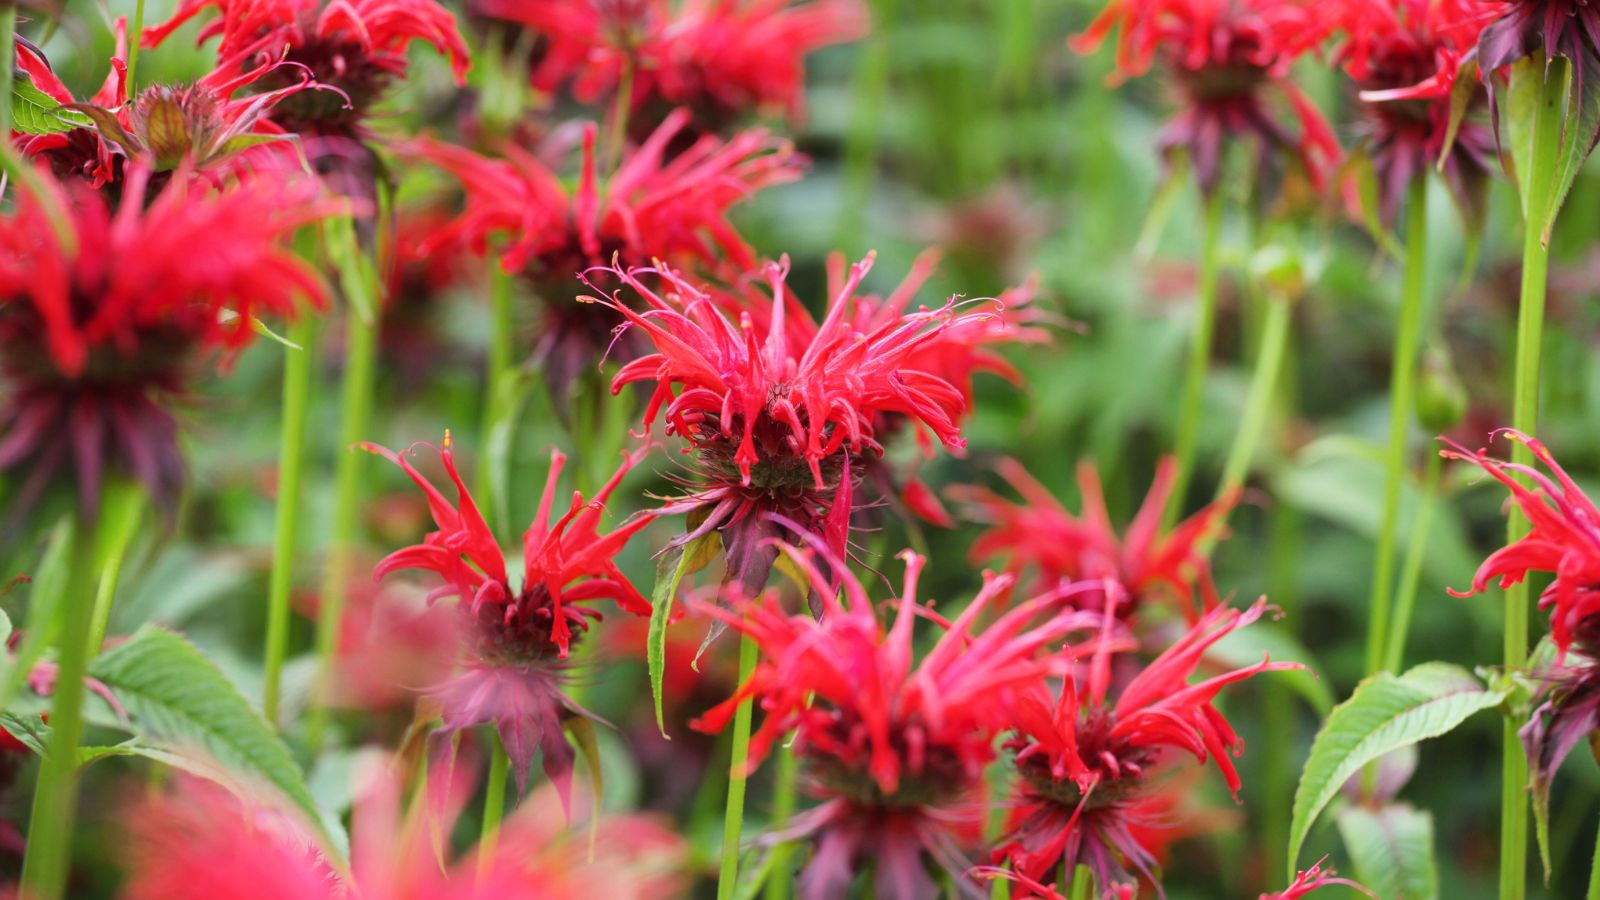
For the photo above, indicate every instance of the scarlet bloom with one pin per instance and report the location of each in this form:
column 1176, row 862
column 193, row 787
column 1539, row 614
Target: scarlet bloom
column 354, row 46
column 779, row 412
column 1086, row 759
column 1311, row 880
column 723, row 59
column 890, row 743
column 1405, row 56
column 1228, row 60
column 519, row 634
column 105, row 317
column 199, row 840
column 651, row 207
column 1039, row 532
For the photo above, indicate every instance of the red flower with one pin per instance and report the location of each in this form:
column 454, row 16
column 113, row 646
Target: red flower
column 519, row 635
column 1565, row 540
column 1405, row 56
column 779, row 410
column 1224, row 57
column 724, row 59
column 103, row 316
column 650, row 208
column 355, row 46
column 202, row 841
column 1085, row 760
column 891, row 741
column 1063, row 547
column 1312, row 879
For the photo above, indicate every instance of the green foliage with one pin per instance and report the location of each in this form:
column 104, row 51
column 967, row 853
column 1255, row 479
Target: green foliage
column 1392, row 848
column 671, row 568
column 35, row 112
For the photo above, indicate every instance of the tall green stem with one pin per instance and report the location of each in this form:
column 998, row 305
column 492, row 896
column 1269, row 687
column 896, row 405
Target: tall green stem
column 133, row 45
column 1594, row 872
column 733, row 821
column 494, row 805
column 124, row 502
column 1194, row 378
column 492, row 488
column 1536, row 188
column 49, row 853
column 1269, row 360
column 1411, row 573
column 8, row 57
column 1402, row 403
column 355, row 414
column 291, row 451
column 780, row 883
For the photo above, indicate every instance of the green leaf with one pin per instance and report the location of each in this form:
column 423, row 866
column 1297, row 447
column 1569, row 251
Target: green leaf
column 180, row 703
column 1358, row 168
column 35, row 112
column 49, row 584
column 671, row 568
column 358, row 277
column 1462, row 93
column 1385, row 713
column 1392, row 849
column 1521, row 109
column 1577, row 138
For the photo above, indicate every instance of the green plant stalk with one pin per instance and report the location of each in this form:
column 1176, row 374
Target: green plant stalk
column 355, row 416
column 1200, row 340
column 1278, row 710
column 133, row 46
column 8, row 59
column 780, row 883
column 1411, row 573
column 1537, row 185
column 499, row 364
column 494, row 805
column 1593, row 892
column 125, row 502
column 291, row 452
column 733, row 820
column 1402, row 403
column 49, row 854
column 1263, row 382
column 1082, row 882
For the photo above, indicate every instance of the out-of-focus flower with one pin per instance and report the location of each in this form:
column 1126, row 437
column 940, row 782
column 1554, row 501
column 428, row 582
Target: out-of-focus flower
column 1312, row 879
column 355, row 47
column 1228, row 59
column 891, row 743
column 517, row 635
column 104, row 316
column 1564, row 540
column 1404, row 56
column 779, row 411
column 1063, row 547
column 1086, row 759
column 199, row 840
column 723, row 59
column 650, row 208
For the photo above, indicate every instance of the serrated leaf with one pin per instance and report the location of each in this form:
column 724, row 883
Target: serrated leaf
column 671, row 568
column 1384, row 714
column 181, row 703
column 35, row 112
column 1392, row 849
column 1582, row 128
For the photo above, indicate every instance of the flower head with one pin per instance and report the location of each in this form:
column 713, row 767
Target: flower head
column 650, row 208
column 1086, row 758
column 891, row 741
column 1564, row 540
column 1311, row 880
column 519, row 634
column 1225, row 57
column 778, row 409
column 1040, row 532
column 105, row 316
column 356, row 47
column 723, row 59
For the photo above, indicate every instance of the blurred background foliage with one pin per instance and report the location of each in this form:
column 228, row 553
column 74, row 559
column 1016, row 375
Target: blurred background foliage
column 967, row 124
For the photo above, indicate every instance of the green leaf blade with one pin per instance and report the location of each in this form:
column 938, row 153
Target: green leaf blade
column 1392, row 849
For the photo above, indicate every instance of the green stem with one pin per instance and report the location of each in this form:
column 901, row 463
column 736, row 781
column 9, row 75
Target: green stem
column 1269, row 359
column 494, row 806
column 124, row 501
column 1194, row 379
column 1411, row 573
column 493, row 496
column 1082, row 882
column 1594, row 872
column 780, row 883
column 133, row 45
column 355, row 414
column 49, row 853
column 1402, row 390
column 733, row 821
column 291, row 449
column 8, row 58
column 623, row 105
column 1524, row 417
